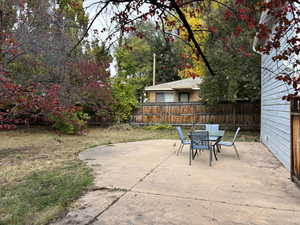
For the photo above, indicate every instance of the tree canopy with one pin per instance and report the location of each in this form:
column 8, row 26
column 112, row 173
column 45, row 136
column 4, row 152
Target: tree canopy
column 135, row 58
column 40, row 81
column 237, row 67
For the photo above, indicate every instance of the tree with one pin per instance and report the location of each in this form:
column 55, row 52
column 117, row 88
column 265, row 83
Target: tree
column 40, row 81
column 162, row 10
column 237, row 69
column 135, row 58
column 285, row 13
column 170, row 55
column 125, row 101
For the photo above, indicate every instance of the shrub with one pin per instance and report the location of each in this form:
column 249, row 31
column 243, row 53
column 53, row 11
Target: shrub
column 124, row 101
column 29, row 104
column 69, row 122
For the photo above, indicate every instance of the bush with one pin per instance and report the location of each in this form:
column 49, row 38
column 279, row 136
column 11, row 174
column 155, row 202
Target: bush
column 124, row 100
column 70, row 122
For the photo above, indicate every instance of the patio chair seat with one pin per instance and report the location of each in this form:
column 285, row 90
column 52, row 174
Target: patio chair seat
column 202, row 147
column 186, row 142
column 226, row 143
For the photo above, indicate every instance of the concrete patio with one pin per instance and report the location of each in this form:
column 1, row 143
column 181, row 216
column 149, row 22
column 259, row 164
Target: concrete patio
column 146, row 183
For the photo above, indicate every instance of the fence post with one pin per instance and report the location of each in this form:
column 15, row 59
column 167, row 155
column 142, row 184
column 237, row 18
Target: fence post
column 194, row 116
column 142, row 113
column 234, row 116
column 161, row 114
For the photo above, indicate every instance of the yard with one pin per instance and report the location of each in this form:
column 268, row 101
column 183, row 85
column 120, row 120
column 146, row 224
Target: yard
column 40, row 173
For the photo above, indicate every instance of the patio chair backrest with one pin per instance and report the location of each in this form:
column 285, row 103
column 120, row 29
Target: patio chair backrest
column 180, row 133
column 212, row 127
column 236, row 133
column 199, row 138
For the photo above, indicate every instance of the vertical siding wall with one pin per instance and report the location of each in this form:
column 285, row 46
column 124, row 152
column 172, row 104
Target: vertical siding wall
column 275, row 113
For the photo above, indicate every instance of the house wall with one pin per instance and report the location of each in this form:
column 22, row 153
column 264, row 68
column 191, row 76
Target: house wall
column 275, row 112
column 151, row 96
column 194, row 96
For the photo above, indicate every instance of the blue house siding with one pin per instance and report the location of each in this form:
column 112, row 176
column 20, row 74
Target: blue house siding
column 275, row 113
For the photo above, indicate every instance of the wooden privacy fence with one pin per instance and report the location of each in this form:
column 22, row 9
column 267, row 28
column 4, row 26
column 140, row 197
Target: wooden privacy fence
column 229, row 116
column 295, row 146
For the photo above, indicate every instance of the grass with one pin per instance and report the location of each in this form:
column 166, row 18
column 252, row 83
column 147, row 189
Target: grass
column 43, row 194
column 40, row 173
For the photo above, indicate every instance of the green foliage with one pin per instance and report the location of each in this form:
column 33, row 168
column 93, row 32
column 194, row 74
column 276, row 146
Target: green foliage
column 169, row 55
column 236, row 67
column 42, row 55
column 124, row 99
column 135, row 58
column 161, row 126
column 70, row 122
column 42, row 193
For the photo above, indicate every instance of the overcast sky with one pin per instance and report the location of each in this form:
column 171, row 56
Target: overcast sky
column 103, row 21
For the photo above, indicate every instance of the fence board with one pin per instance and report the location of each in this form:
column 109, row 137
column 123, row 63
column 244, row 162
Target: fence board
column 229, row 116
column 295, row 154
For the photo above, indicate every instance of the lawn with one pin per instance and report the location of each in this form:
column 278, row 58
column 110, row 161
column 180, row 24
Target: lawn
column 40, row 173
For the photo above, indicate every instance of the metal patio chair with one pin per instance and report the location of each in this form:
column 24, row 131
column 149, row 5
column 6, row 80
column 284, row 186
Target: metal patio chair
column 183, row 140
column 200, row 141
column 229, row 144
column 212, row 127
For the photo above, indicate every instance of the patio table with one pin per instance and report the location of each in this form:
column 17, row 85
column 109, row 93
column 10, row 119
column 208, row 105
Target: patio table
column 215, row 136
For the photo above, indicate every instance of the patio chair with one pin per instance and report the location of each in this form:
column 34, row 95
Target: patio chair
column 183, row 140
column 212, row 127
column 229, row 144
column 200, row 141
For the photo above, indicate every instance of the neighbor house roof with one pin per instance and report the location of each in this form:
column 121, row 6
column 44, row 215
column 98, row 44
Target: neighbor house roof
column 189, row 83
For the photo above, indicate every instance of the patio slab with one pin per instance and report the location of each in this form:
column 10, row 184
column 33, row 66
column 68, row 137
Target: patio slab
column 147, row 183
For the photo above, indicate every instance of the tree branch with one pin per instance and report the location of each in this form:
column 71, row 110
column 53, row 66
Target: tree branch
column 191, row 35
column 89, row 27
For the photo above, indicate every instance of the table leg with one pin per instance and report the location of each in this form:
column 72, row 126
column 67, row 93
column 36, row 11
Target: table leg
column 214, row 150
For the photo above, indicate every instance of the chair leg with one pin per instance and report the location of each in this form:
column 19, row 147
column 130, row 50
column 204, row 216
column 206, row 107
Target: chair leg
column 218, row 148
column 214, row 150
column 190, row 155
column 178, row 150
column 181, row 148
column 196, row 153
column 210, row 157
column 236, row 151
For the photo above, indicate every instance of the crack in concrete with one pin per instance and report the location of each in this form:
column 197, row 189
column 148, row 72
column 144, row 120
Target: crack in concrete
column 216, row 201
column 125, row 190
column 110, row 189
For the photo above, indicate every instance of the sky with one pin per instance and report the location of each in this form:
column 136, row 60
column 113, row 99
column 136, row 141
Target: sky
column 103, row 21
